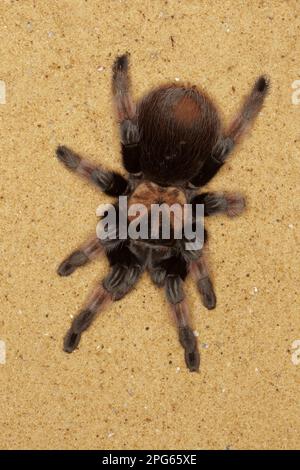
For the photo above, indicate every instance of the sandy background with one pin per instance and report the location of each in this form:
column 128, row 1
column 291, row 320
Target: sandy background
column 127, row 386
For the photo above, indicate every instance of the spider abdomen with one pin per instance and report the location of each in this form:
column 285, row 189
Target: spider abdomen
column 179, row 126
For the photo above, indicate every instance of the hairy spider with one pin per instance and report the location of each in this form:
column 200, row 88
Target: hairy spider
column 172, row 144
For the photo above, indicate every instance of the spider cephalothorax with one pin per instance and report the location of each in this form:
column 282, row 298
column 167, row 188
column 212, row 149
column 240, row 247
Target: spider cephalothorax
column 172, row 144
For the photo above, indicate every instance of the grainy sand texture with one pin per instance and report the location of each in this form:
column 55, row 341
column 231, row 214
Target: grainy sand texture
column 127, row 387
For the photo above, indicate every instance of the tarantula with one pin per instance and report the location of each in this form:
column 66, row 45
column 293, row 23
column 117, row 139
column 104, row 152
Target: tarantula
column 172, row 144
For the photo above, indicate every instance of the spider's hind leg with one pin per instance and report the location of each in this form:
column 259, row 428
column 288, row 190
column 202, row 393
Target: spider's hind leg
column 170, row 272
column 120, row 280
column 199, row 271
column 99, row 298
column 187, row 339
column 80, row 257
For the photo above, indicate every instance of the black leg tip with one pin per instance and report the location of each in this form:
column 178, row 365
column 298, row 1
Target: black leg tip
column 121, row 62
column 65, row 269
column 207, row 293
column 71, row 341
column 191, row 354
column 69, row 265
column 262, row 84
column 192, row 360
column 60, row 151
column 211, row 303
column 67, row 157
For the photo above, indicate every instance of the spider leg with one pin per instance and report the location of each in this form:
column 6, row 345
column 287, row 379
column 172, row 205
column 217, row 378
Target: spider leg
column 126, row 115
column 231, row 204
column 240, row 124
column 176, row 297
column 169, row 272
column 99, row 299
column 125, row 106
column 119, row 281
column 199, row 271
column 249, row 110
column 109, row 182
column 80, row 257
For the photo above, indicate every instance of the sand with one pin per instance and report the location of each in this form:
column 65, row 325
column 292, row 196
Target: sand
column 127, row 387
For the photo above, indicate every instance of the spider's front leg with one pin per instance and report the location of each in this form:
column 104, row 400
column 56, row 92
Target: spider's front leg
column 109, row 182
column 126, row 268
column 126, row 115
